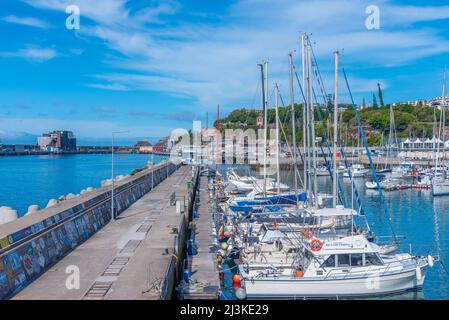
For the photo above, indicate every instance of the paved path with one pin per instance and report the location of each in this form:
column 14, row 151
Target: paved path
column 127, row 258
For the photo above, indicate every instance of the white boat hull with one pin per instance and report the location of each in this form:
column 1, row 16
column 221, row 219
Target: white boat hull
column 296, row 288
column 440, row 189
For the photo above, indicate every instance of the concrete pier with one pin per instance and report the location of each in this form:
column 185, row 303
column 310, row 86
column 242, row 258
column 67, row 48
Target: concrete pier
column 134, row 257
column 204, row 281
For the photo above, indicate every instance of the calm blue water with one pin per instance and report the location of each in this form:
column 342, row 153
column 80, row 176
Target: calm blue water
column 26, row 180
column 418, row 216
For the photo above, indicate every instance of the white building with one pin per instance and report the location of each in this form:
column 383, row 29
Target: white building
column 424, row 145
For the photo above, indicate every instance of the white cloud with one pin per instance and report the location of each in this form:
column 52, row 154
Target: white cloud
column 111, row 86
column 27, row 21
column 32, row 53
column 217, row 62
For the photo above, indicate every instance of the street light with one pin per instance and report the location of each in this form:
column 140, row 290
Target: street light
column 112, row 173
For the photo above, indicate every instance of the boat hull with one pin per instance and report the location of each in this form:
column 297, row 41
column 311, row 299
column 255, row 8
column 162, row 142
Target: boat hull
column 440, row 190
column 292, row 288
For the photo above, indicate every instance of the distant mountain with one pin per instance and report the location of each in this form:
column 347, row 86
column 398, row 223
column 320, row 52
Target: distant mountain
column 17, row 137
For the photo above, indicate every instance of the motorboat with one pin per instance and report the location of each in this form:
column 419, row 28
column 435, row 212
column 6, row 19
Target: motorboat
column 357, row 171
column 340, row 268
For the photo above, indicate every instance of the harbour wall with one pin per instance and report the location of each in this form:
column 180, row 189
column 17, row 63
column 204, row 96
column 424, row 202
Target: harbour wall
column 32, row 244
column 174, row 271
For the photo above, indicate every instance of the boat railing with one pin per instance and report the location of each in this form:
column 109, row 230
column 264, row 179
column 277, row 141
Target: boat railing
column 381, row 271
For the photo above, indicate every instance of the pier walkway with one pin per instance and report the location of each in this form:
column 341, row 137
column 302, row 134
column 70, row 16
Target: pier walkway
column 126, row 259
column 204, row 280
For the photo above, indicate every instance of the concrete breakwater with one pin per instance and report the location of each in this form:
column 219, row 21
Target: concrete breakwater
column 31, row 245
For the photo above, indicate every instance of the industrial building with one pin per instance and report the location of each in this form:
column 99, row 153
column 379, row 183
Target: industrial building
column 57, row 142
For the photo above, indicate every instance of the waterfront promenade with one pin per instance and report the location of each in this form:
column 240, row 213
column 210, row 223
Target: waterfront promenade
column 129, row 258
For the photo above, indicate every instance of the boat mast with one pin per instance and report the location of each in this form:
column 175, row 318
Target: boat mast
column 278, row 149
column 217, row 150
column 312, row 123
column 304, row 140
column 334, row 187
column 292, row 102
column 443, row 107
column 264, row 78
column 309, row 164
column 441, row 128
column 265, row 131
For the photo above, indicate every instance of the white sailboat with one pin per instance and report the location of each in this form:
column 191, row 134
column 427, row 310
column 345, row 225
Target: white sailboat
column 311, row 251
column 440, row 185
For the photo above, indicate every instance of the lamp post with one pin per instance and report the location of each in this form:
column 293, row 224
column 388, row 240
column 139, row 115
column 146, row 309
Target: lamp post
column 112, row 173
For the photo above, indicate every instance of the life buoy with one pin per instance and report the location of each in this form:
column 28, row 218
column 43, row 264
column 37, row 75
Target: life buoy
column 316, row 245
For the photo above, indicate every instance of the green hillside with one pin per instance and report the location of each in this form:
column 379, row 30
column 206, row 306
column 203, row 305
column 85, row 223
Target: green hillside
column 409, row 121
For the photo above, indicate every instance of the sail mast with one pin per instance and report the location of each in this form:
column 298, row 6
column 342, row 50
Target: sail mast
column 443, row 107
column 278, row 149
column 334, row 188
column 292, row 102
column 217, row 155
column 265, row 131
column 304, row 141
column 309, row 164
column 263, row 70
column 312, row 123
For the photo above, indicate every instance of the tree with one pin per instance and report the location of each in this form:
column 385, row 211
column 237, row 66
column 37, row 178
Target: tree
column 375, row 105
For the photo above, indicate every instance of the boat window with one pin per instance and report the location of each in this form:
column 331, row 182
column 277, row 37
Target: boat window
column 343, row 260
column 356, row 260
column 330, row 262
column 372, row 259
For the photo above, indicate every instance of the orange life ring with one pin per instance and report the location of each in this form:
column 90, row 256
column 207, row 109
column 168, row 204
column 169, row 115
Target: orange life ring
column 316, row 245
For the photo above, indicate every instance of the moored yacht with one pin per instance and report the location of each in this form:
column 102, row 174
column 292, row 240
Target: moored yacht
column 347, row 267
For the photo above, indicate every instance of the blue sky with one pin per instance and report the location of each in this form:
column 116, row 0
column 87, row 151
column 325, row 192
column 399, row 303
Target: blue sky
column 150, row 66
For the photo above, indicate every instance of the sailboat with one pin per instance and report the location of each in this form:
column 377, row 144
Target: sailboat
column 266, row 191
column 440, row 185
column 312, row 250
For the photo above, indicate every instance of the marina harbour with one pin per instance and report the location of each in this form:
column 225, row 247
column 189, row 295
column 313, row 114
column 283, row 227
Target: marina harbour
column 203, row 154
column 424, row 228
